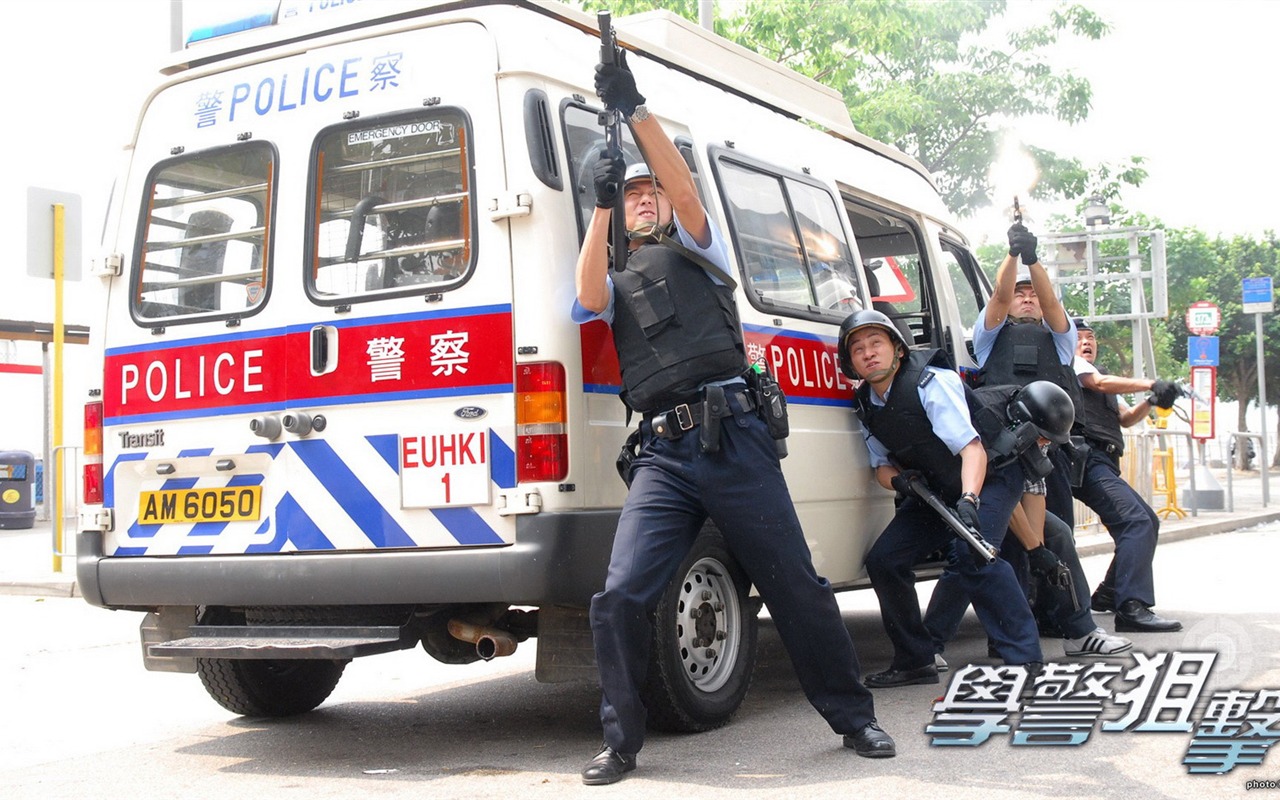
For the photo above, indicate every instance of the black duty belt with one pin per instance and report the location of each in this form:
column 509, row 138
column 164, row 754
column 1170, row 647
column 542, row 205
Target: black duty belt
column 676, row 422
column 1106, row 447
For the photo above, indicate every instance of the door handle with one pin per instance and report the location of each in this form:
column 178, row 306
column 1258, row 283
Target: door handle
column 324, row 349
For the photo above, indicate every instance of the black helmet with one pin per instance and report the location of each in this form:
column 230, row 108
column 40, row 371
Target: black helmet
column 857, row 321
column 1082, row 324
column 1047, row 406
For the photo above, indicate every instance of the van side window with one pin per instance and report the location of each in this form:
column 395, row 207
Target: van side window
column 584, row 139
column 969, row 282
column 792, row 248
column 893, row 265
column 391, row 209
column 203, row 238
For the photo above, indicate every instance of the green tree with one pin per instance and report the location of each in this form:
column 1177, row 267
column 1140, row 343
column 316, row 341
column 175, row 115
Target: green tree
column 921, row 76
column 1213, row 269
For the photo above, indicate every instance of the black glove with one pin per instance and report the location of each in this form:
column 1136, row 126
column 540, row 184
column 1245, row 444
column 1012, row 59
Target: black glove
column 1045, row 565
column 968, row 514
column 607, row 175
column 1165, row 393
column 902, row 481
column 616, row 86
column 1043, row 561
column 1016, row 233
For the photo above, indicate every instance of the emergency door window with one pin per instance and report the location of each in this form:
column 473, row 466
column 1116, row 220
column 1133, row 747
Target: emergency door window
column 205, row 235
column 790, row 241
column 392, row 208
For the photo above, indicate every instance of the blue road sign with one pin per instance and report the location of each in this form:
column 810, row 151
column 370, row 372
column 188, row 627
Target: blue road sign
column 1257, row 295
column 1202, row 351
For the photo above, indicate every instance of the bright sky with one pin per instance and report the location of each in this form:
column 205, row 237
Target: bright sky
column 1186, row 84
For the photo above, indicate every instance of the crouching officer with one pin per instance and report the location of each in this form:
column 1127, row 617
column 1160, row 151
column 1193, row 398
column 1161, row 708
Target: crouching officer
column 916, row 417
column 704, row 449
column 1047, row 541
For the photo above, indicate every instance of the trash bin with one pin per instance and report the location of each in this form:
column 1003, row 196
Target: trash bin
column 17, row 481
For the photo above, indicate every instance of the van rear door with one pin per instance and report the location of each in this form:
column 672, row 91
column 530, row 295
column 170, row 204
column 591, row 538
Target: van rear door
column 317, row 354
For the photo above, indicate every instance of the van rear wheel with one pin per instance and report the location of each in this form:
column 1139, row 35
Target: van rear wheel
column 264, row 687
column 704, row 642
column 269, row 688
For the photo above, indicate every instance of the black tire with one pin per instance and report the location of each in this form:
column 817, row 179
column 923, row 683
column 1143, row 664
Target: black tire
column 686, row 690
column 266, row 687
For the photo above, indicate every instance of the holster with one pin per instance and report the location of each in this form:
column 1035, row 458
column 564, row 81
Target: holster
column 1078, row 452
column 770, row 401
column 714, row 408
column 627, row 455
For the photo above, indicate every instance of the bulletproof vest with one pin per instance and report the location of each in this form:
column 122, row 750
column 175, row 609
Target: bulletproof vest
column 904, row 429
column 674, row 328
column 1025, row 352
column 1100, row 418
column 989, row 410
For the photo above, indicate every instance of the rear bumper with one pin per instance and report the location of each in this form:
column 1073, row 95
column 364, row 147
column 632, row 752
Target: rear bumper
column 557, row 559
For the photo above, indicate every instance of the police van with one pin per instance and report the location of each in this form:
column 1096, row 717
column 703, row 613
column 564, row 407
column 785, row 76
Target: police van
column 343, row 409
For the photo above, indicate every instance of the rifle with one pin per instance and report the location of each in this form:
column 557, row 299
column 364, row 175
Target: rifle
column 983, row 548
column 612, row 122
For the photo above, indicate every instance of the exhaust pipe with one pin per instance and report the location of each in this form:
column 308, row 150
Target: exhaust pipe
column 490, row 642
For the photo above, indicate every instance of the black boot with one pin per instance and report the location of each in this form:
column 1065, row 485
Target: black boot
column 1134, row 617
column 1104, row 598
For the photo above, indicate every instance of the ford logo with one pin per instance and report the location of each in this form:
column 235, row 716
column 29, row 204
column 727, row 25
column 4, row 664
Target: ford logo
column 470, row 412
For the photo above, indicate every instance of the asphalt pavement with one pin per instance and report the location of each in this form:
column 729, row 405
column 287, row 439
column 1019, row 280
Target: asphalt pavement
column 28, row 561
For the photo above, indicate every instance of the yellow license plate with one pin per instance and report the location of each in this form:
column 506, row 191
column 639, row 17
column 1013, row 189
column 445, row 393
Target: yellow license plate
column 228, row 504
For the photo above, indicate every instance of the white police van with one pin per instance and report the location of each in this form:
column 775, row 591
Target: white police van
column 343, row 407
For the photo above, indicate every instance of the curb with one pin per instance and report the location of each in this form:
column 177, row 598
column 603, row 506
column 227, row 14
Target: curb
column 56, row 587
column 1189, row 530
column 38, row 588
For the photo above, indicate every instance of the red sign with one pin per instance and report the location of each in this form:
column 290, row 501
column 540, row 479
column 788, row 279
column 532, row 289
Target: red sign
column 381, row 358
column 1203, row 318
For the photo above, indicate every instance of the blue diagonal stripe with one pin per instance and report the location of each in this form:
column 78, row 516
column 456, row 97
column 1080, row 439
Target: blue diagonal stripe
column 465, row 525
column 293, row 525
column 354, row 497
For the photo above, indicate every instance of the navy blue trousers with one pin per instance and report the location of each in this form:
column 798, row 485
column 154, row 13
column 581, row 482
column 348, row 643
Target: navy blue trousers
column 915, row 532
column 1131, row 522
column 950, row 600
column 674, row 489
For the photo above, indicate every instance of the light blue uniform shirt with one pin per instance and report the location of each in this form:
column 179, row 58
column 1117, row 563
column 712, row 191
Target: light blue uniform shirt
column 984, row 340
column 946, row 408
column 715, row 252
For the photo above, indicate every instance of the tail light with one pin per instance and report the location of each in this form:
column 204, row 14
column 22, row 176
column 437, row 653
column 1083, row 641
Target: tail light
column 542, row 444
column 93, row 453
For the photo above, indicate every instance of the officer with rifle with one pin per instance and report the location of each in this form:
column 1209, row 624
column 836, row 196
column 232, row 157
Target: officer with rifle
column 918, row 424
column 706, row 444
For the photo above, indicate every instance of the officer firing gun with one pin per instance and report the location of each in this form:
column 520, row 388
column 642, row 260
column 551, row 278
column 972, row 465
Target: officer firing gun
column 611, row 119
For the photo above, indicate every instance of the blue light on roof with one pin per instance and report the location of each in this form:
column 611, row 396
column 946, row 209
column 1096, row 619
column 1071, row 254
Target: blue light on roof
column 234, row 26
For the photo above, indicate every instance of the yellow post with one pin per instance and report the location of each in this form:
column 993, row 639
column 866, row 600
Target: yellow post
column 1164, row 482
column 59, row 236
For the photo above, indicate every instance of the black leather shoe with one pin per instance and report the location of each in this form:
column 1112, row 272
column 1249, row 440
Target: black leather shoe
column 1134, row 617
column 608, row 767
column 1103, row 599
column 902, row 677
column 871, row 742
